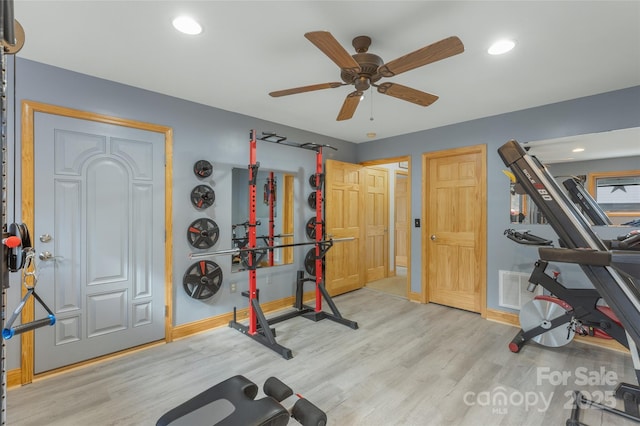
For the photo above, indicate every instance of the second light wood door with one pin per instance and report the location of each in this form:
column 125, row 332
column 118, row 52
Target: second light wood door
column 344, row 214
column 454, row 240
column 401, row 218
column 377, row 223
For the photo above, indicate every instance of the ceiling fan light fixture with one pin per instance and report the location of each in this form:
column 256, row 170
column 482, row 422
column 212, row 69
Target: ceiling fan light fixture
column 187, row 25
column 501, row 46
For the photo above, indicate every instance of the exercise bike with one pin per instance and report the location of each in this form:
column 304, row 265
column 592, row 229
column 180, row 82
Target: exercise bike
column 553, row 320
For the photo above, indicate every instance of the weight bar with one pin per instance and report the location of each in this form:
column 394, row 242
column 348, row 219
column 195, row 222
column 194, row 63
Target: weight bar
column 258, row 249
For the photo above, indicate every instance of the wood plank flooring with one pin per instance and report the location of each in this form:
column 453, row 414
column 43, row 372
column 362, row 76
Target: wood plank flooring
column 407, row 364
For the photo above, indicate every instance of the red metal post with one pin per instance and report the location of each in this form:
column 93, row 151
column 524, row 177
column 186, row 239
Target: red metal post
column 272, row 205
column 252, row 232
column 319, row 228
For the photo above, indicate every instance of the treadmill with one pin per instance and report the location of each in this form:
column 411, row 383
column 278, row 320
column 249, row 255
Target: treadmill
column 611, row 272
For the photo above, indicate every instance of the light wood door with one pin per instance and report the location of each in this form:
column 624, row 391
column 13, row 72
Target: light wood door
column 377, row 223
column 344, row 218
column 401, row 217
column 454, row 239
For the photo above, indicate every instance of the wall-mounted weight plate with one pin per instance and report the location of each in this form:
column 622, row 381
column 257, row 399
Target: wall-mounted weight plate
column 310, row 261
column 203, row 233
column 311, row 199
column 312, row 181
column 310, row 228
column 202, row 197
column 202, row 168
column 202, row 280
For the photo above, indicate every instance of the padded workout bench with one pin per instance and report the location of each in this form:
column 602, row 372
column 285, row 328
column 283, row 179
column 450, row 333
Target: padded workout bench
column 232, row 402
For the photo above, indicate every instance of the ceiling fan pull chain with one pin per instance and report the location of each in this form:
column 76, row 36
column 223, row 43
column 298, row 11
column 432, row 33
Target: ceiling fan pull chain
column 371, row 90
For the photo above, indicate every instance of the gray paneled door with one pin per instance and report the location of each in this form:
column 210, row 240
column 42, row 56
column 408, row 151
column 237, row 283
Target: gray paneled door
column 99, row 217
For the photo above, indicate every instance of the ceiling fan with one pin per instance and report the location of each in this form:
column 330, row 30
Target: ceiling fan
column 364, row 70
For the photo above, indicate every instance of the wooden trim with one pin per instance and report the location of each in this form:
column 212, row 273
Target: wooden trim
column 503, row 317
column 414, row 297
column 287, row 216
column 591, row 187
column 513, row 319
column 168, row 243
column 388, row 161
column 189, row 329
column 28, row 199
column 14, row 378
column 29, row 108
column 408, row 171
column 482, row 237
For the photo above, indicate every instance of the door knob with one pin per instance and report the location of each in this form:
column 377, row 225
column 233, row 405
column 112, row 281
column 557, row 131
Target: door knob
column 46, row 255
column 45, row 238
column 433, row 237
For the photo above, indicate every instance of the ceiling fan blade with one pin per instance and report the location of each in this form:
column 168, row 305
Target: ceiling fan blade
column 324, row 41
column 434, row 52
column 407, row 94
column 303, row 89
column 349, row 106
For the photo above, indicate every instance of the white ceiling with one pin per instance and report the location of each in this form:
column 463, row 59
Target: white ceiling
column 564, row 50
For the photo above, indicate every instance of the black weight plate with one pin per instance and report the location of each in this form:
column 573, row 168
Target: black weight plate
column 202, row 196
column 312, row 200
column 202, row 280
column 312, row 181
column 310, row 228
column 203, row 233
column 310, row 262
column 202, row 168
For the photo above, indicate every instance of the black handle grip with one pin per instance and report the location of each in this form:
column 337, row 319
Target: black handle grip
column 630, row 241
column 526, row 238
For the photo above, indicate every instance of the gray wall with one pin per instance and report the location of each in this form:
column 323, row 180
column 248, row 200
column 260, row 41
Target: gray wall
column 609, row 111
column 199, row 132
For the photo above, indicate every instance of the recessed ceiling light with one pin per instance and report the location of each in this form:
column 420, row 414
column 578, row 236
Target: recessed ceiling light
column 577, row 150
column 371, row 135
column 187, row 25
column 501, row 46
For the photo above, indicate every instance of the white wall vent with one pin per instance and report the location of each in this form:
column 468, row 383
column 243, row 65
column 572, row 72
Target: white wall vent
column 513, row 289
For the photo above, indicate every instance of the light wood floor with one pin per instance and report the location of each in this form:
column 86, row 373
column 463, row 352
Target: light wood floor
column 408, row 364
column 393, row 285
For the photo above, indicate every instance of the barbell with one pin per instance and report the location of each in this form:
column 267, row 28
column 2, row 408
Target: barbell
column 259, row 249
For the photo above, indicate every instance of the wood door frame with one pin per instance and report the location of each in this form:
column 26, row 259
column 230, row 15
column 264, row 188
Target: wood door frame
column 395, row 206
column 410, row 295
column 29, row 109
column 482, row 150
